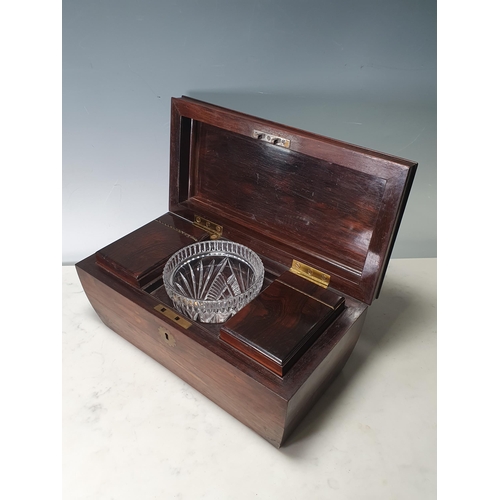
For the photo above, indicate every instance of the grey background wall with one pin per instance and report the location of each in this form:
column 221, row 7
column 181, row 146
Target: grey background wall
column 362, row 71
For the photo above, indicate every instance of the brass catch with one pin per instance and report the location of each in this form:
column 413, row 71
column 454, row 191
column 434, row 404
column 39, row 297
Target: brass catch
column 170, row 314
column 309, row 273
column 213, row 229
column 272, row 139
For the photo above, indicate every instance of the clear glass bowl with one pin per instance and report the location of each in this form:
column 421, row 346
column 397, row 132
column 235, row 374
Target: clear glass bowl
column 212, row 280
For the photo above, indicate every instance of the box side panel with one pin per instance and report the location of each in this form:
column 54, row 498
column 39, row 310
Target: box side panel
column 245, row 399
column 325, row 373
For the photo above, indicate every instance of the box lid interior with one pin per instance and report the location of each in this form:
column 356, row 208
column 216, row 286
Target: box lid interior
column 332, row 205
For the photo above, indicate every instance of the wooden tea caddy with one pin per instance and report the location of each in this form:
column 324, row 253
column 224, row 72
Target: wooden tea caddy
column 322, row 215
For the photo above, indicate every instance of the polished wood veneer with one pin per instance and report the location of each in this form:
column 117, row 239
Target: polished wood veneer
column 270, row 405
column 333, row 205
column 330, row 205
column 279, row 325
column 138, row 256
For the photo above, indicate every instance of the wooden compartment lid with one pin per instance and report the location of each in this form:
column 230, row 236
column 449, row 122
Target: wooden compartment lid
column 332, row 205
column 282, row 322
column 139, row 257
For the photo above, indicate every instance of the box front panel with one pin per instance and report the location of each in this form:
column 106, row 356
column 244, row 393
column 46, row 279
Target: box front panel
column 250, row 402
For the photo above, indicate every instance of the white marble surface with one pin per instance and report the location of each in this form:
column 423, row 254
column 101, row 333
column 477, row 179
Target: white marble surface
column 132, row 430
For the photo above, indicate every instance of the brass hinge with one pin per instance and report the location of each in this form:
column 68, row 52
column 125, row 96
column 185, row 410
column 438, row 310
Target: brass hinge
column 213, row 229
column 309, row 273
column 184, row 323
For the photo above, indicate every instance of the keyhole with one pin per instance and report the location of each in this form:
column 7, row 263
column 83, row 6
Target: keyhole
column 166, row 336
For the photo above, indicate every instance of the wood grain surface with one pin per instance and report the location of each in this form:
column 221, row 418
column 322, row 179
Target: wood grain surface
column 281, row 323
column 337, row 204
column 251, row 393
column 325, row 203
column 137, row 257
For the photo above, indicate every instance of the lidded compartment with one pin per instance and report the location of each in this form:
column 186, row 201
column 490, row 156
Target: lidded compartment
column 139, row 257
column 289, row 194
column 283, row 321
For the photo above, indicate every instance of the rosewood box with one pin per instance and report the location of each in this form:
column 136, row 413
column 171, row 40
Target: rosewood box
column 321, row 214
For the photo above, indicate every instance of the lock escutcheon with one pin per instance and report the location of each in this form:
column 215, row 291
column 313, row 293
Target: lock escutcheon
column 167, row 336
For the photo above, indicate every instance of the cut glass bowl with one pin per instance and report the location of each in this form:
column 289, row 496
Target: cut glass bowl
column 210, row 281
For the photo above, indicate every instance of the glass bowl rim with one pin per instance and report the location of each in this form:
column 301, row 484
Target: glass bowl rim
column 258, row 269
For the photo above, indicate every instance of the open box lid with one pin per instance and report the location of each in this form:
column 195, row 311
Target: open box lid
column 331, row 205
